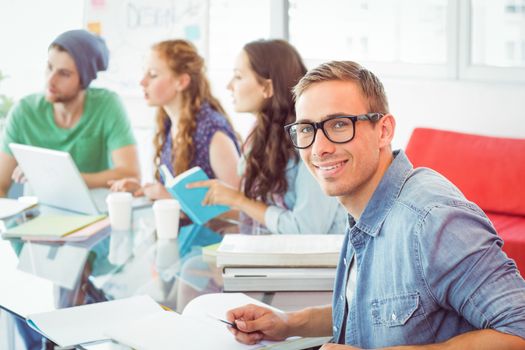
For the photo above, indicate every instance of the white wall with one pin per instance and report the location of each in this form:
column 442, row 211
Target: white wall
column 28, row 26
column 495, row 109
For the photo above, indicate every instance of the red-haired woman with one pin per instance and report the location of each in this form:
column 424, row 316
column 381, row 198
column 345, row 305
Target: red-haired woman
column 192, row 126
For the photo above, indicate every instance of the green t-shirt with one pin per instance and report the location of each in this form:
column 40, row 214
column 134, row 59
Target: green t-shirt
column 102, row 128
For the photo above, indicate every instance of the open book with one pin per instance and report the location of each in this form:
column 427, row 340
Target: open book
column 191, row 199
column 143, row 324
column 198, row 327
column 87, row 323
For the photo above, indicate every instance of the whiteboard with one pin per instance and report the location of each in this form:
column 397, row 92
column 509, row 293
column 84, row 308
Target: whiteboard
column 131, row 27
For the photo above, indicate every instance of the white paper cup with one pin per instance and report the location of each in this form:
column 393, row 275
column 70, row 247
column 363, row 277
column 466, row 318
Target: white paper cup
column 166, row 213
column 119, row 209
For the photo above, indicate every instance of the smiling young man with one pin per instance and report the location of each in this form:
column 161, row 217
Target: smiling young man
column 421, row 266
column 89, row 123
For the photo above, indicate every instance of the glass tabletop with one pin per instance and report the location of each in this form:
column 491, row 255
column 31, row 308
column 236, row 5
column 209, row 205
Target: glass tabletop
column 116, row 265
column 39, row 277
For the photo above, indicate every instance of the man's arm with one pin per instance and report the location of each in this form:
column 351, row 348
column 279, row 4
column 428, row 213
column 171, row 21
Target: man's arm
column 486, row 339
column 126, row 164
column 312, row 321
column 7, row 166
column 254, row 323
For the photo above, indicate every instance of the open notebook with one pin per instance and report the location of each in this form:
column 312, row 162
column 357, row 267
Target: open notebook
column 141, row 323
column 198, row 327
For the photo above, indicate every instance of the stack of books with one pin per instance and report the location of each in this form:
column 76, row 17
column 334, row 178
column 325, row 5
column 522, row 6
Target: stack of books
column 279, row 262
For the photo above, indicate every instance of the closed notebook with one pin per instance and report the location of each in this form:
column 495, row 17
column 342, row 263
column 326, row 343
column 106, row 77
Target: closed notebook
column 190, row 199
column 97, row 228
column 52, row 226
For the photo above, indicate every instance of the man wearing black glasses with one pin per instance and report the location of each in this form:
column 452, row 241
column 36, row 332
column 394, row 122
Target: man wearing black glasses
column 421, row 266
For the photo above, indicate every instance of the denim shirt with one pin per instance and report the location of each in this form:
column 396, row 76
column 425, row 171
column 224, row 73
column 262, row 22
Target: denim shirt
column 429, row 266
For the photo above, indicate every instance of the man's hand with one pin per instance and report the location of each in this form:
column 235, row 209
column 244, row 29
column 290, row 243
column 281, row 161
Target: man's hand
column 255, row 323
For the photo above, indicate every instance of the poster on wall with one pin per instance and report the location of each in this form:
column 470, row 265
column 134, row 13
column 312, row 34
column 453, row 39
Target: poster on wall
column 131, row 27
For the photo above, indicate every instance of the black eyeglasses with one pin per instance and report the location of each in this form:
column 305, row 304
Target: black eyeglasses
column 337, row 129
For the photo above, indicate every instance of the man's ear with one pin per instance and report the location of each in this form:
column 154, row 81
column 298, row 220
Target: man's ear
column 182, row 82
column 267, row 88
column 388, row 127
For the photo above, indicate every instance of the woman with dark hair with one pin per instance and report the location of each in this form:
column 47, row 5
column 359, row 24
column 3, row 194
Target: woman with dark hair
column 278, row 191
column 192, row 127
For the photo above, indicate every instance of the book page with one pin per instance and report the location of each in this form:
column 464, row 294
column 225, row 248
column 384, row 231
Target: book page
column 197, row 328
column 185, row 174
column 169, row 330
column 218, row 304
column 87, row 323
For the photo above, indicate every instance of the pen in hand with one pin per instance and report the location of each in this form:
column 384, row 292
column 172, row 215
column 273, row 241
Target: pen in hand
column 231, row 324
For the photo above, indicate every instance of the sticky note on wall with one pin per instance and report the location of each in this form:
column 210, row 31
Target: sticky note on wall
column 95, row 27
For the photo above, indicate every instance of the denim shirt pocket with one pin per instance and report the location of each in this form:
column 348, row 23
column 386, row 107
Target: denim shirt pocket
column 396, row 310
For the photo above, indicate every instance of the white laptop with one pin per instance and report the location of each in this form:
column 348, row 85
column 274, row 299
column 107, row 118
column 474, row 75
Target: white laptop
column 56, row 180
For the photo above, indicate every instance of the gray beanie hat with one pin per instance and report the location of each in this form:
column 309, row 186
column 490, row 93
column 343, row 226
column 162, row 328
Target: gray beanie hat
column 89, row 51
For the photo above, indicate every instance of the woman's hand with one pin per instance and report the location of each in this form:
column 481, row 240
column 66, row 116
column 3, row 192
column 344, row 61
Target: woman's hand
column 219, row 193
column 156, row 191
column 128, row 184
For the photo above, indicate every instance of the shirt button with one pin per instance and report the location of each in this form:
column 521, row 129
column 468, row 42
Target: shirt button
column 334, row 328
column 344, row 261
column 341, row 297
column 394, row 317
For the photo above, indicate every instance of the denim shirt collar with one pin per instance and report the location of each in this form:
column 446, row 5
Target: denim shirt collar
column 385, row 195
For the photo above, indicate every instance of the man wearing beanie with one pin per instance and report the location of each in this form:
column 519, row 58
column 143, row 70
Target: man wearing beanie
column 89, row 123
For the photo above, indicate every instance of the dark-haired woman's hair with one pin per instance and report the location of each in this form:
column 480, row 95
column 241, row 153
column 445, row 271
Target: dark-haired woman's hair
column 182, row 57
column 269, row 151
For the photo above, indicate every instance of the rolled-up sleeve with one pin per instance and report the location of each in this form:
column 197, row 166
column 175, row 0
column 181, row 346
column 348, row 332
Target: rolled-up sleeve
column 313, row 212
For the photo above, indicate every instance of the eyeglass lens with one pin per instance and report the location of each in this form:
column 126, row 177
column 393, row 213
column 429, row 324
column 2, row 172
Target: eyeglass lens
column 337, row 130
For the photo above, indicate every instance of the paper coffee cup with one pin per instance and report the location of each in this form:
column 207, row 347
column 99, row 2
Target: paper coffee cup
column 166, row 212
column 119, row 209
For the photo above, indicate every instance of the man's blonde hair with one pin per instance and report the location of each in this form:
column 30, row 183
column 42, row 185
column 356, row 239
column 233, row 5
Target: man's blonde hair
column 371, row 86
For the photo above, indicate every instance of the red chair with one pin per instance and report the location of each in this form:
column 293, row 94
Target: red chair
column 490, row 171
